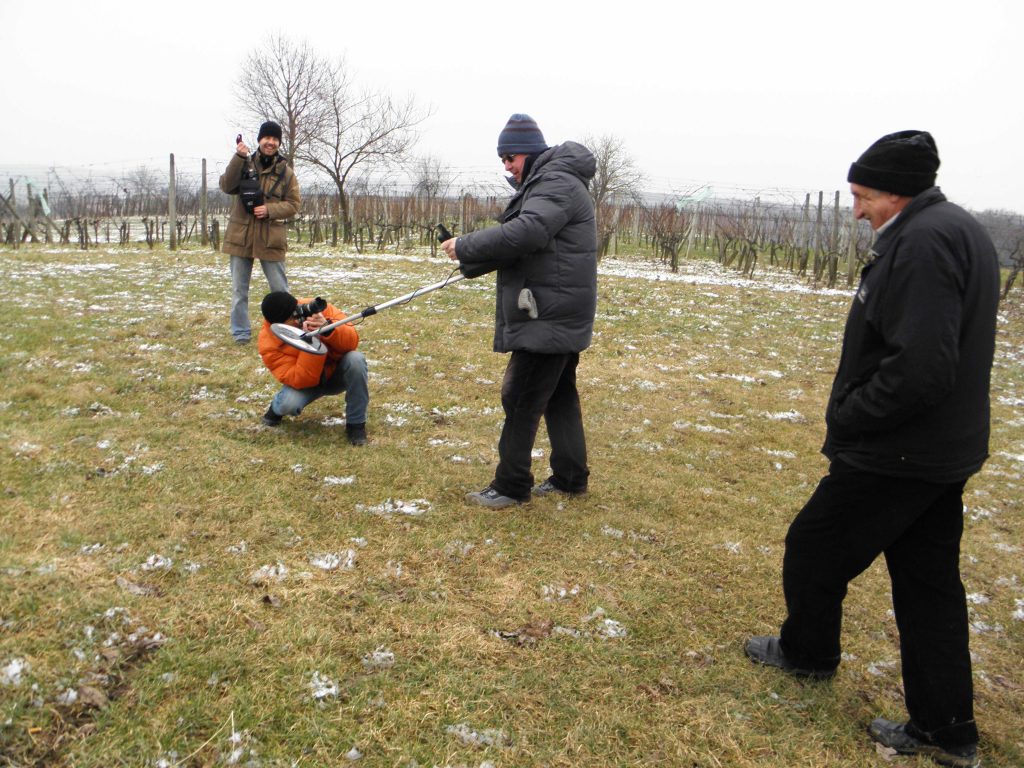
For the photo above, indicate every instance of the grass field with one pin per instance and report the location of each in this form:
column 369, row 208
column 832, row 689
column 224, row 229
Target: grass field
column 180, row 585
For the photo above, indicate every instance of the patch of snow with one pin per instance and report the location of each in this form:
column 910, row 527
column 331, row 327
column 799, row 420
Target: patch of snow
column 10, row 674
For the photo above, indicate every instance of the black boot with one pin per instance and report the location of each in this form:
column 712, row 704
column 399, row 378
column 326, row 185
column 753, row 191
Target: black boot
column 767, row 650
column 908, row 740
column 270, row 418
column 356, row 434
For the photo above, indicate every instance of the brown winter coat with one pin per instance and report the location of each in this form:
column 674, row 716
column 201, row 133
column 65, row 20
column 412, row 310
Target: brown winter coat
column 254, row 238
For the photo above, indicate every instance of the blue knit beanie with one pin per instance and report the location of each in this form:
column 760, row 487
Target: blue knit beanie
column 520, row 136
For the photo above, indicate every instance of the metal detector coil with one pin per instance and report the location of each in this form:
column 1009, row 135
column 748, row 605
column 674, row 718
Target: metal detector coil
column 298, row 338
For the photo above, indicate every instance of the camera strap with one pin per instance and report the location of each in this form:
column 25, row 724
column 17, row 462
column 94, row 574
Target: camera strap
column 280, row 176
column 277, row 183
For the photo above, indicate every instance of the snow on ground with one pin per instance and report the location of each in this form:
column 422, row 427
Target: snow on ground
column 705, row 272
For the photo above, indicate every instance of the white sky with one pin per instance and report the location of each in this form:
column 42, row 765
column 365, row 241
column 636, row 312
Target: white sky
column 746, row 96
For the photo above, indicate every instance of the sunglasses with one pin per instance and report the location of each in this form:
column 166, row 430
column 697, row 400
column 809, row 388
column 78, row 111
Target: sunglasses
column 508, row 158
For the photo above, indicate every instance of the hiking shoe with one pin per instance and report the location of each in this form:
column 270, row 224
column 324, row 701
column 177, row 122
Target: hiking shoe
column 548, row 488
column 270, row 418
column 908, row 740
column 768, row 651
column 242, row 341
column 489, row 497
column 356, row 434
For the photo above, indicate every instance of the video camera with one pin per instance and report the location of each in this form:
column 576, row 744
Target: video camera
column 310, row 308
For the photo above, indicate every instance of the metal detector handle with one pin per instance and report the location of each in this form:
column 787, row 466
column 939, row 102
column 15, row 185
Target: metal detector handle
column 443, row 233
column 331, row 326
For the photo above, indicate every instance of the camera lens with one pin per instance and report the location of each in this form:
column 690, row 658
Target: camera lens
column 302, row 311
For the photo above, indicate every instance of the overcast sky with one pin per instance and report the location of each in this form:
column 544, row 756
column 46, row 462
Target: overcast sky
column 744, row 96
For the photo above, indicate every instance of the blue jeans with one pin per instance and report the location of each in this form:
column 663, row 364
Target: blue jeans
column 351, row 377
column 241, row 272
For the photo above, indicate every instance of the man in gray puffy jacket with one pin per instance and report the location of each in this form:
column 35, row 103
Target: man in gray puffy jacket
column 545, row 253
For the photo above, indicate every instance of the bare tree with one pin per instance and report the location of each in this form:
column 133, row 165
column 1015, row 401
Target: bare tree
column 142, row 186
column 432, row 181
column 360, row 132
column 616, row 181
column 431, row 177
column 285, row 81
column 617, row 175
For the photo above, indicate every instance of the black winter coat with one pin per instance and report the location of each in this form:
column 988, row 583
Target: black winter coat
column 547, row 242
column 911, row 395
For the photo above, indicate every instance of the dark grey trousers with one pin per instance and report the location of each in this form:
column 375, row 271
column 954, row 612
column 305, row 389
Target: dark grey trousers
column 539, row 385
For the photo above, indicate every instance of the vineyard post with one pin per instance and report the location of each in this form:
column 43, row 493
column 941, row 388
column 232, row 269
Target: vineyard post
column 203, row 240
column 818, row 237
column 46, row 210
column 833, row 267
column 172, row 209
column 851, row 252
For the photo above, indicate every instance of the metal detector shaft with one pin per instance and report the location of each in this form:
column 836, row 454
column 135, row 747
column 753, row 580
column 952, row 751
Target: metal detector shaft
column 309, row 341
column 380, row 307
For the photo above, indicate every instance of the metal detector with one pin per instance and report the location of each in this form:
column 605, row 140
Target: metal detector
column 309, row 341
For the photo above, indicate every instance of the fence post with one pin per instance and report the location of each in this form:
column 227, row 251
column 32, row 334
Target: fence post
column 833, row 266
column 818, row 236
column 172, row 209
column 46, row 210
column 851, row 252
column 203, row 238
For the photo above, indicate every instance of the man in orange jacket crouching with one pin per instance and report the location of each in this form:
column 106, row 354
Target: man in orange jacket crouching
column 306, row 376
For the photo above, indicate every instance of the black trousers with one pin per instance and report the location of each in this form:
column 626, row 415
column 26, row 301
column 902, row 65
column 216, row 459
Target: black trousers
column 539, row 385
column 852, row 517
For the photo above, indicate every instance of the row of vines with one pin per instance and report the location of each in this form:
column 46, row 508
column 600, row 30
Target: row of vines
column 818, row 240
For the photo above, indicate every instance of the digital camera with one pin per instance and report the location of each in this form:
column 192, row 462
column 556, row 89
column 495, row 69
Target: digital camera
column 310, row 308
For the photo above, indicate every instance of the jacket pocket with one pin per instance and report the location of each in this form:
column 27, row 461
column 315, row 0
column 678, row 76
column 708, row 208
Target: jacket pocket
column 277, row 240
column 236, row 232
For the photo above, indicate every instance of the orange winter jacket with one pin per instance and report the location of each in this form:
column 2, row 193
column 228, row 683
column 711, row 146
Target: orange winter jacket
column 301, row 370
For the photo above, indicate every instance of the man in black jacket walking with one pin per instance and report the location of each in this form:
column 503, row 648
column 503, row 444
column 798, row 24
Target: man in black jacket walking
column 545, row 253
column 907, row 425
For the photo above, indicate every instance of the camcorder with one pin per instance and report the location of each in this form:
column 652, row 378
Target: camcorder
column 310, row 308
column 250, row 192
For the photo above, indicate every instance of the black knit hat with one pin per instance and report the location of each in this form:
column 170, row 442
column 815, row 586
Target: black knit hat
column 520, row 136
column 269, row 128
column 278, row 306
column 903, row 163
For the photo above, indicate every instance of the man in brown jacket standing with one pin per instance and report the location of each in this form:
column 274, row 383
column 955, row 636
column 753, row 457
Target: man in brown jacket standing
column 266, row 195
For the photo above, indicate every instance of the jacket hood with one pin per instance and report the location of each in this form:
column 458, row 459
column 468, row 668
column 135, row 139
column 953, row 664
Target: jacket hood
column 568, row 157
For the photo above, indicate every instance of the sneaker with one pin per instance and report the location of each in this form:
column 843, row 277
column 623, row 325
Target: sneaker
column 489, row 497
column 907, row 740
column 270, row 418
column 548, row 488
column 768, row 651
column 356, row 434
column 242, row 340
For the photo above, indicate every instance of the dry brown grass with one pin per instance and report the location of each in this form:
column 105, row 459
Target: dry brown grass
column 130, row 437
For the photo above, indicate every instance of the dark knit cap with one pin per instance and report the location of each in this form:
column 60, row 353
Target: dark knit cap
column 278, row 306
column 902, row 163
column 520, row 136
column 269, row 128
